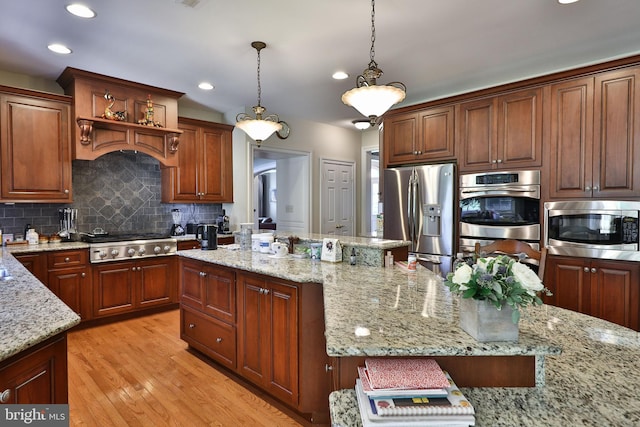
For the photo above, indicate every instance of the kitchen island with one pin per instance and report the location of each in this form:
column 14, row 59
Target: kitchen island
column 586, row 369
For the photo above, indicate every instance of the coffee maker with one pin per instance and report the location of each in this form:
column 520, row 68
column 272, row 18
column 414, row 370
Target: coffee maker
column 223, row 223
column 176, row 228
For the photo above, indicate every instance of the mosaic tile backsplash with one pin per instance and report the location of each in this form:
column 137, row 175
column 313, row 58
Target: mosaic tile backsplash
column 118, row 192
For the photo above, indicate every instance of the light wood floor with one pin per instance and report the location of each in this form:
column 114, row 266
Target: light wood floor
column 139, row 373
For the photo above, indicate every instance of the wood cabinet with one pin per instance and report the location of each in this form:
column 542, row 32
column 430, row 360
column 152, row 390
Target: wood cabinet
column 36, row 263
column 35, row 147
column 594, row 134
column 69, row 277
column 609, row 290
column 205, row 165
column 281, row 345
column 208, row 310
column 422, row 136
column 37, row 375
column 128, row 286
column 503, row 131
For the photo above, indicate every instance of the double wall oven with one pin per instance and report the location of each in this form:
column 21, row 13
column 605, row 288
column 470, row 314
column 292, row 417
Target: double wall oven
column 499, row 205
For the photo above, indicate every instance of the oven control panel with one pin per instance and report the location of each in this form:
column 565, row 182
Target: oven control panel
column 118, row 251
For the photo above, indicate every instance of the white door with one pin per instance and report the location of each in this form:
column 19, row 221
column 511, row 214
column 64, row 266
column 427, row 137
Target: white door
column 337, row 197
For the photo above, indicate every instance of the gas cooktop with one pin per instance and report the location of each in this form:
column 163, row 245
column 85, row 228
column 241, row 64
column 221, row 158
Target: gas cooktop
column 122, row 237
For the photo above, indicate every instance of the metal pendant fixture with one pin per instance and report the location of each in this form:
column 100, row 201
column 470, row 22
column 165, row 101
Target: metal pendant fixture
column 261, row 128
column 370, row 99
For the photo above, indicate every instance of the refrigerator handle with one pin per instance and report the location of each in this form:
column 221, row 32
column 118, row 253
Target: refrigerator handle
column 415, row 210
column 410, row 205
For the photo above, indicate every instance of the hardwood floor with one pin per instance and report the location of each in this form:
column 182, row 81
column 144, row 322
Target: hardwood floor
column 138, row 372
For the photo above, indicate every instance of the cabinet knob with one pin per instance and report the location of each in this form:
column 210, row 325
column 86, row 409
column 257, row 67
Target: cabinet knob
column 586, row 269
column 328, row 368
column 66, row 191
column 192, row 325
column 218, row 340
column 587, row 188
column 67, row 259
column 494, row 161
column 83, row 274
column 499, row 160
column 4, row 396
column 203, row 274
column 596, row 188
column 266, row 291
column 593, row 269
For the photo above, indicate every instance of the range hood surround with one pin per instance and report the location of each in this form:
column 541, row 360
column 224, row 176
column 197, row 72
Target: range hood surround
column 94, row 136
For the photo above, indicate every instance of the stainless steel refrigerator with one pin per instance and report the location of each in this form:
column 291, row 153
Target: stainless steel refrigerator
column 419, row 207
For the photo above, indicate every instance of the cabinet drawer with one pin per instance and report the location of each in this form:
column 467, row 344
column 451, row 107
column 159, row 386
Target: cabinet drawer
column 64, row 259
column 212, row 337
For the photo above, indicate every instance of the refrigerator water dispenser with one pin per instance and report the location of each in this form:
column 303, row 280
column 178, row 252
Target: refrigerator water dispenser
column 432, row 219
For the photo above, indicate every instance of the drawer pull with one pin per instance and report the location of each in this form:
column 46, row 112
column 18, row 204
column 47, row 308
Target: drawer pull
column 4, row 396
column 192, row 325
column 328, row 368
column 218, row 340
column 67, row 259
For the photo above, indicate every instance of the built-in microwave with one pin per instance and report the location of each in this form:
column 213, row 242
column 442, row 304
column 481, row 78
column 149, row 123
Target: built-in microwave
column 593, row 229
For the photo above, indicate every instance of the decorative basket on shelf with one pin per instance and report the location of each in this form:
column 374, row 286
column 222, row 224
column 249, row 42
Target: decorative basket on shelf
column 492, row 291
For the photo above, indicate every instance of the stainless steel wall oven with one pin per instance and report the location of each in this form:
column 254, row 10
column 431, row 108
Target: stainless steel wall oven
column 499, row 205
column 593, row 229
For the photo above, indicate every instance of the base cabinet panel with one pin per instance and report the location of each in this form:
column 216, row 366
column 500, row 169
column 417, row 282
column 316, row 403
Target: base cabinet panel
column 609, row 290
column 36, row 376
column 214, row 338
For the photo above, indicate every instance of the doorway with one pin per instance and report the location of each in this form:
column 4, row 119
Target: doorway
column 281, row 189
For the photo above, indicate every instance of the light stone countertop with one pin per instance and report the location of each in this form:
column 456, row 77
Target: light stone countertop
column 29, row 312
column 592, row 367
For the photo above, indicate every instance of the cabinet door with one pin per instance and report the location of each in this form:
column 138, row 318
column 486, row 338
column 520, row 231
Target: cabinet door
column 216, row 176
column 520, row 129
column 571, row 138
column 283, row 350
column 617, row 294
column 113, row 288
column 477, row 131
column 70, row 285
column 35, row 147
column 253, row 332
column 156, row 282
column 400, row 138
column 181, row 183
column 571, row 286
column 191, row 279
column 37, row 377
column 36, row 264
column 220, row 294
column 616, row 135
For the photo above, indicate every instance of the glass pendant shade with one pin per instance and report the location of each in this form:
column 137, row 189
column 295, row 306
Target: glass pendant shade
column 373, row 101
column 258, row 130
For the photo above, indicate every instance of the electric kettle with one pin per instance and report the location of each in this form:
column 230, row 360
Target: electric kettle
column 207, row 235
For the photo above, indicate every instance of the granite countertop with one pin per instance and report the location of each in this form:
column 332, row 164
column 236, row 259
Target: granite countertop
column 45, row 247
column 29, row 312
column 591, row 366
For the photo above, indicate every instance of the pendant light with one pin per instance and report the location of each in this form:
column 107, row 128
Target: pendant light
column 261, row 128
column 370, row 99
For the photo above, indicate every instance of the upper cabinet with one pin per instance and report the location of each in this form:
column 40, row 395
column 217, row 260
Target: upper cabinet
column 114, row 114
column 594, row 136
column 503, row 131
column 205, row 165
column 35, row 147
column 421, row 136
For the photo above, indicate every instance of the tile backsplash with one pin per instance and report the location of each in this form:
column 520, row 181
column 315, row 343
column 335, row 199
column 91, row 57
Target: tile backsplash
column 118, row 192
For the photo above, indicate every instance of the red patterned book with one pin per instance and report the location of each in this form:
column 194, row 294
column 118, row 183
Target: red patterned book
column 395, row 373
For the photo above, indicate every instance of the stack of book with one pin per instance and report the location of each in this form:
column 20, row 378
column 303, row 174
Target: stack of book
column 410, row 392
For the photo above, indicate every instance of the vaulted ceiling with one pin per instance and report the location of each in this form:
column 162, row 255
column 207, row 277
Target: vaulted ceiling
column 436, row 47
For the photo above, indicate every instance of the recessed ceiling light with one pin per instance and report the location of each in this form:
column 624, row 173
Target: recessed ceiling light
column 567, row 1
column 340, row 75
column 206, row 86
column 80, row 10
column 59, row 48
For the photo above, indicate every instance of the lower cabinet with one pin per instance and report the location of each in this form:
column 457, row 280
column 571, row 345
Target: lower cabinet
column 69, row 277
column 609, row 290
column 36, row 376
column 122, row 287
column 269, row 331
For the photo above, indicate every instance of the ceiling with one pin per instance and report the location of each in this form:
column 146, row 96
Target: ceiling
column 435, row 47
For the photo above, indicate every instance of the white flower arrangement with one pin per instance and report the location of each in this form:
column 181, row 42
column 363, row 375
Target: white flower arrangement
column 500, row 280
